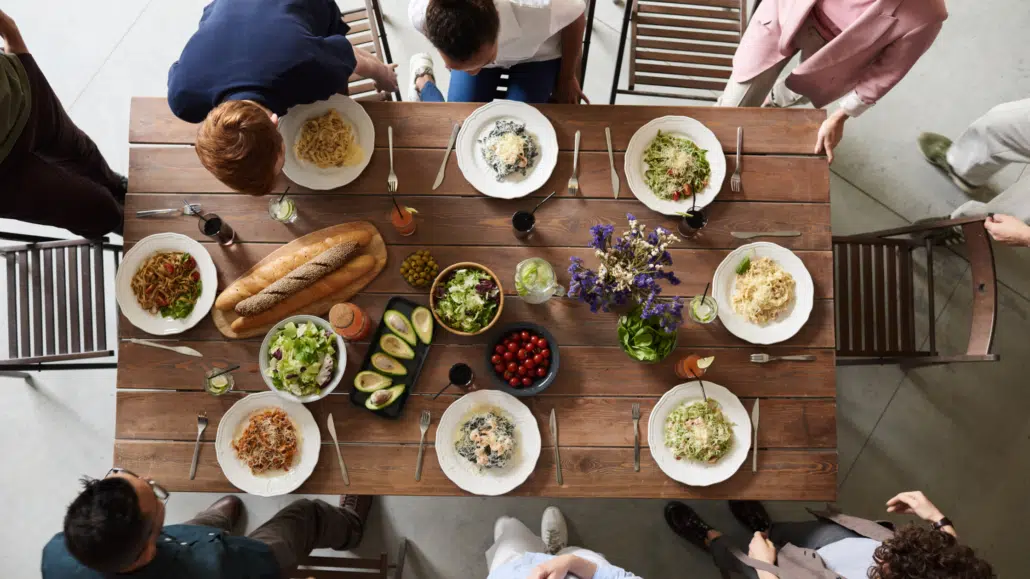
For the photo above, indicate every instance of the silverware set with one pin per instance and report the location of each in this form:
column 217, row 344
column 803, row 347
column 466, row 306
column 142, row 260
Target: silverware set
column 765, row 358
column 557, row 454
column 611, row 162
column 754, row 446
column 574, row 180
column 735, row 178
column 391, row 180
column 186, row 209
column 339, row 456
column 423, row 426
column 636, row 437
column 201, row 426
column 754, row 234
column 187, row 351
column 446, row 155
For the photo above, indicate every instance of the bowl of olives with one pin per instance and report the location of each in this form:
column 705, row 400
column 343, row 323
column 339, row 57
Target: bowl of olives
column 419, row 269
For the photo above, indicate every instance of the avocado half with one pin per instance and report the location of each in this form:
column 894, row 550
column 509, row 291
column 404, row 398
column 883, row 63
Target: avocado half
column 382, row 398
column 400, row 325
column 422, row 319
column 388, row 365
column 369, row 381
column 396, row 347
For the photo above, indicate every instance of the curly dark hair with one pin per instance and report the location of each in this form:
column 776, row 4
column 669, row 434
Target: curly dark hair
column 104, row 528
column 917, row 552
column 460, row 28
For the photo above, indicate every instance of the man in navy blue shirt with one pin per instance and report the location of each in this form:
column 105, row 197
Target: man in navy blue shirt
column 250, row 61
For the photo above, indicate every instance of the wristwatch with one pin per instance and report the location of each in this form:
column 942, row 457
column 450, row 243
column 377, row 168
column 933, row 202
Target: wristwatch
column 944, row 522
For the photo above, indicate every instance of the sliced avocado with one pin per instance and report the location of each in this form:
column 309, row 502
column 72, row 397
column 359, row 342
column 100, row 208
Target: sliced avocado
column 399, row 324
column 388, row 365
column 422, row 319
column 369, row 381
column 396, row 347
column 382, row 398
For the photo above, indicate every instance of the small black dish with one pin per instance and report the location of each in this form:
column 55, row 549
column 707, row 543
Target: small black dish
column 498, row 383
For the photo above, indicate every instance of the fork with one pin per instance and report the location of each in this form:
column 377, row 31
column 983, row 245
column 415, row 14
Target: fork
column 391, row 180
column 574, row 180
column 763, row 358
column 423, row 425
column 636, row 437
column 735, row 179
column 201, row 425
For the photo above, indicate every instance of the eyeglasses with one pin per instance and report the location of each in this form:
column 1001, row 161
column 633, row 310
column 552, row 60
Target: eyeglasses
column 159, row 491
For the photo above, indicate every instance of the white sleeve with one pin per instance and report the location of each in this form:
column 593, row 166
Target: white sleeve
column 417, row 14
column 564, row 12
column 853, row 105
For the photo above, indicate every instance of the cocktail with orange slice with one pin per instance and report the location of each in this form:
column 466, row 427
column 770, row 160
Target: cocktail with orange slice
column 693, row 366
column 403, row 219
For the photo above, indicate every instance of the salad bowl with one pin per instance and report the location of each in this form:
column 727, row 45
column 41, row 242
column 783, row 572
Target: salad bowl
column 301, row 383
column 453, row 299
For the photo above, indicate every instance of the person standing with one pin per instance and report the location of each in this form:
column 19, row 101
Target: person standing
column 51, row 172
column 998, row 138
column 852, row 51
column 537, row 43
column 116, row 526
column 247, row 64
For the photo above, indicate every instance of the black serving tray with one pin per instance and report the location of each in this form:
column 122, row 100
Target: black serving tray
column 413, row 366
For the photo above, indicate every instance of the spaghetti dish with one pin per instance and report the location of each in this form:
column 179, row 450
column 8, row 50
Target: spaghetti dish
column 486, row 440
column 763, row 292
column 168, row 283
column 699, row 431
column 676, row 167
column 269, row 442
column 328, row 141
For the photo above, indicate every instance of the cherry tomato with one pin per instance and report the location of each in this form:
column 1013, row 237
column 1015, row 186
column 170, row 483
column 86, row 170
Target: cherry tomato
column 527, row 382
column 511, row 366
column 523, row 335
column 512, row 346
column 508, row 356
column 495, row 359
column 536, row 359
column 545, row 353
column 542, row 343
column 546, row 363
column 169, row 268
column 499, row 349
column 521, row 354
column 508, row 375
column 195, row 276
column 499, row 368
column 522, row 371
column 191, row 263
column 541, row 371
column 529, row 364
column 514, row 382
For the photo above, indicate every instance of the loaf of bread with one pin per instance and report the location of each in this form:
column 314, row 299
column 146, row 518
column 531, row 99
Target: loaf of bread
column 262, row 277
column 321, row 289
column 325, row 263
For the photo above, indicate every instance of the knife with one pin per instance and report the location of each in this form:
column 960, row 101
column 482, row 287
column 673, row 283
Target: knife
column 611, row 161
column 753, row 234
column 179, row 349
column 557, row 455
column 339, row 456
column 443, row 166
column 754, row 447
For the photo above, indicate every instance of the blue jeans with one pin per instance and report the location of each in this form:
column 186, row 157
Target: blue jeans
column 528, row 82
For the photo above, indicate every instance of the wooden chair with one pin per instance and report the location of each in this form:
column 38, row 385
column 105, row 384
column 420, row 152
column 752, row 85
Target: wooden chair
column 873, row 278
column 349, row 568
column 367, row 32
column 685, row 44
column 56, row 303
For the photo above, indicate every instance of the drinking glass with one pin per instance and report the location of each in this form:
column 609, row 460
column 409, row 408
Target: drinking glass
column 522, row 224
column 214, row 227
column 282, row 209
column 703, row 310
column 218, row 385
column 692, row 223
column 535, row 281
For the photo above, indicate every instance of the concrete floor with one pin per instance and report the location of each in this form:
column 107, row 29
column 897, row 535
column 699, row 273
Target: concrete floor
column 960, row 433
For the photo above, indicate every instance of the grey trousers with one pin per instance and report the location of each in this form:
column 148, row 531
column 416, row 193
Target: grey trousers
column 298, row 529
column 807, row 535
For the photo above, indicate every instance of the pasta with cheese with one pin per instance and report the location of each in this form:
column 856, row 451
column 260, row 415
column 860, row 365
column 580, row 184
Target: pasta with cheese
column 328, row 141
column 763, row 292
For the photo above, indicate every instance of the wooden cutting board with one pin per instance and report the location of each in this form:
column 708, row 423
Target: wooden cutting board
column 376, row 248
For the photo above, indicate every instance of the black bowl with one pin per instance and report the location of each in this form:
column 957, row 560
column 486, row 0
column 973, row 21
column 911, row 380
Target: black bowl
column 498, row 383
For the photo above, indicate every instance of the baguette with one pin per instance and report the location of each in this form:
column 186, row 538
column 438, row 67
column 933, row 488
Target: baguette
column 264, row 275
column 325, row 263
column 321, row 289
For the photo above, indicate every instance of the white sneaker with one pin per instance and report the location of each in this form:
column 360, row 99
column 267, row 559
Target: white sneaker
column 553, row 530
column 420, row 64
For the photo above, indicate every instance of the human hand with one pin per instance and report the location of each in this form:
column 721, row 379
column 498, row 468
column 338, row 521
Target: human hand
column 386, row 78
column 559, row 567
column 569, row 92
column 914, row 503
column 13, row 42
column 762, row 548
column 830, row 134
column 1007, row 229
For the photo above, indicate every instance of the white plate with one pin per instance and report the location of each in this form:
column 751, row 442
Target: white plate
column 474, row 167
column 341, row 362
column 489, row 482
column 279, row 482
column 310, row 176
column 685, row 127
column 692, row 472
column 134, row 258
column 790, row 321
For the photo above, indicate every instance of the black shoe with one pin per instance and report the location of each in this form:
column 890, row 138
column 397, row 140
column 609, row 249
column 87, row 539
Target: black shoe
column 686, row 523
column 752, row 515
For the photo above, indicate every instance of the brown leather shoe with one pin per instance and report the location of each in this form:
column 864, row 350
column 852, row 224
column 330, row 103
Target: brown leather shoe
column 230, row 507
column 360, row 505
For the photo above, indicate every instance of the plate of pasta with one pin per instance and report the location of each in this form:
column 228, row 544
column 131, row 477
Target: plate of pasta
column 166, row 284
column 266, row 445
column 328, row 143
column 672, row 159
column 764, row 291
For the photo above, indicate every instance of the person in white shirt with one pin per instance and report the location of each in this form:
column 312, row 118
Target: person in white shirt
column 537, row 43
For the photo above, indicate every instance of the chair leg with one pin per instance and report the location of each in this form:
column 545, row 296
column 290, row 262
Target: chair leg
column 402, row 552
column 627, row 14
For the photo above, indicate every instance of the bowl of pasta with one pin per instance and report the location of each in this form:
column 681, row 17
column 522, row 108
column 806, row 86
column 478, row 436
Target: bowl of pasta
column 328, row 143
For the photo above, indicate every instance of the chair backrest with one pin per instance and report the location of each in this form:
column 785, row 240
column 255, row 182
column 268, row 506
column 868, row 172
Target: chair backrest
column 874, row 278
column 342, row 568
column 683, row 45
column 367, row 32
column 56, row 302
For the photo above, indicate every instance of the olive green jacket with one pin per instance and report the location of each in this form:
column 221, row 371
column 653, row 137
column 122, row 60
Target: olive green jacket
column 15, row 102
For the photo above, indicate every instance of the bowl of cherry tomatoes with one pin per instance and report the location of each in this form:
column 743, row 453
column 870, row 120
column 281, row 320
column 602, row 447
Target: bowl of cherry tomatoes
column 522, row 358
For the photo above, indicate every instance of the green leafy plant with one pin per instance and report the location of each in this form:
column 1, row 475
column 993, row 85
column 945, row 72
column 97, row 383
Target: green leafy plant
column 644, row 339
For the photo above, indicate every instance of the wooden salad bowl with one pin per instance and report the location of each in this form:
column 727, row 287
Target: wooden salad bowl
column 466, row 265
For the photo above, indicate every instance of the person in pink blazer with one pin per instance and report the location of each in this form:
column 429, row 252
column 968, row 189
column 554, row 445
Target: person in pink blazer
column 853, row 51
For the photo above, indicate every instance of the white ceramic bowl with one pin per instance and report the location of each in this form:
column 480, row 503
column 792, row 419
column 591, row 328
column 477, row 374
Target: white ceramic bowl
column 341, row 361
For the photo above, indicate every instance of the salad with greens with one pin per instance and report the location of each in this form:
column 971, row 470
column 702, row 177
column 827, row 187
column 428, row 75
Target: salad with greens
column 301, row 358
column 467, row 300
column 644, row 339
column 699, row 431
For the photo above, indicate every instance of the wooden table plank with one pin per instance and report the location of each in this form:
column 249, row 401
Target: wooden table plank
column 484, row 221
column 588, row 472
column 569, row 321
column 428, row 125
column 176, row 170
column 787, row 423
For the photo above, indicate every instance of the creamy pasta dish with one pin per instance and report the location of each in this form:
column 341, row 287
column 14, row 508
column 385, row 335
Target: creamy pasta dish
column 763, row 292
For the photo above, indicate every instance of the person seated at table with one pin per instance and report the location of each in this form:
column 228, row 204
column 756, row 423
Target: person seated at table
column 538, row 43
column 116, row 526
column 247, row 64
column 837, row 546
column 519, row 554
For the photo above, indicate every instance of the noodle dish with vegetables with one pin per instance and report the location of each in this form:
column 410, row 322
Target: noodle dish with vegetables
column 168, row 283
column 269, row 441
column 699, row 431
column 676, row 167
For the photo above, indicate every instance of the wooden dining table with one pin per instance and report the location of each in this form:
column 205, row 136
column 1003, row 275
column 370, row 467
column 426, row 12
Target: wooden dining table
column 784, row 187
